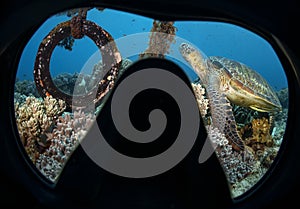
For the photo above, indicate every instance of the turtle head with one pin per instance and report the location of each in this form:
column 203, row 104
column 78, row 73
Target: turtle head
column 196, row 58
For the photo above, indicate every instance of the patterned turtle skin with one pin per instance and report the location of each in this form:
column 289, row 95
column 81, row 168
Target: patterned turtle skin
column 228, row 81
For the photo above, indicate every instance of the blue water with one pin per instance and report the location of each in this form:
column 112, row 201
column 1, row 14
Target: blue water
column 130, row 33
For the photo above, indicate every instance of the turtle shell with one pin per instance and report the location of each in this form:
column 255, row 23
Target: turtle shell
column 246, row 87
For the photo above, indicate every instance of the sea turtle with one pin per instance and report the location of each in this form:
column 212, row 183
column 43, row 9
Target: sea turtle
column 228, row 81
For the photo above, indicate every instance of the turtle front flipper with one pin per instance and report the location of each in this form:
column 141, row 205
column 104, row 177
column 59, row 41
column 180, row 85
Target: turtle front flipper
column 221, row 113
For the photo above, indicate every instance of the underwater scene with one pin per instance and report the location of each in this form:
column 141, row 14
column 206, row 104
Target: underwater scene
column 70, row 65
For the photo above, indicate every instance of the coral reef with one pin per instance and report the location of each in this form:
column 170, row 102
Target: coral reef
column 26, row 88
column 262, row 134
column 202, row 101
column 258, row 137
column 80, row 83
column 69, row 130
column 261, row 131
column 50, row 135
column 20, row 98
column 237, row 165
column 34, row 120
column 283, row 96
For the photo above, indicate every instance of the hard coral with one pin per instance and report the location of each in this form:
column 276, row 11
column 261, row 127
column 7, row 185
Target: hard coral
column 261, row 131
column 257, row 134
column 258, row 137
column 34, row 118
column 201, row 99
column 68, row 132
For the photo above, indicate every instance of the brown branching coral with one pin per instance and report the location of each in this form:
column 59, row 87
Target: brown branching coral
column 261, row 131
column 49, row 136
column 161, row 37
column 257, row 134
column 34, row 118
